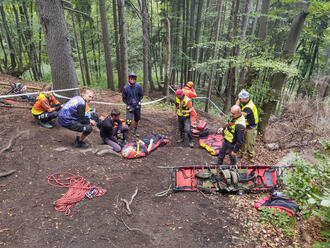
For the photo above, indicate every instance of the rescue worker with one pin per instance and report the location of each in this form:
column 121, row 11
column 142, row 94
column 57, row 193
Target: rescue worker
column 46, row 107
column 184, row 107
column 73, row 116
column 233, row 133
column 132, row 96
column 109, row 129
column 250, row 112
column 191, row 93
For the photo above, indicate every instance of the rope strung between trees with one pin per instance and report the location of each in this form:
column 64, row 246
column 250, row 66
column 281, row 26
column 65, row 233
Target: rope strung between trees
column 78, row 187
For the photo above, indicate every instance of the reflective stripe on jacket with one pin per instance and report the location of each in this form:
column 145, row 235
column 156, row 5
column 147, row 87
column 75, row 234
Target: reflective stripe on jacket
column 230, row 129
column 254, row 110
column 182, row 106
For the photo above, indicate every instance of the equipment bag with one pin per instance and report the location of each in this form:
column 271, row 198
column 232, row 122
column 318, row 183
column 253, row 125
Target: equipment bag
column 290, row 207
column 199, row 133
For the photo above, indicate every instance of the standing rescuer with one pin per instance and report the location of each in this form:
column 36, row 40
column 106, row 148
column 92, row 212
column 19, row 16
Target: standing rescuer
column 132, row 96
column 250, row 112
column 191, row 93
column 183, row 108
column 233, row 133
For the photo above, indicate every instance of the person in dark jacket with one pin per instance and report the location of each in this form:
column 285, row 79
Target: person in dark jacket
column 233, row 133
column 72, row 116
column 109, row 129
column 132, row 96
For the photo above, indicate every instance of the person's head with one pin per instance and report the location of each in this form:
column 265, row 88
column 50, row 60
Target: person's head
column 244, row 96
column 190, row 84
column 132, row 78
column 115, row 114
column 235, row 111
column 87, row 94
column 47, row 87
column 127, row 151
column 179, row 93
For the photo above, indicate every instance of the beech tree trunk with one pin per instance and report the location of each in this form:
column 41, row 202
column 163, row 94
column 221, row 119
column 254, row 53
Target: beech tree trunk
column 278, row 79
column 56, row 35
column 123, row 44
column 167, row 58
column 146, row 42
column 263, row 20
column 106, row 44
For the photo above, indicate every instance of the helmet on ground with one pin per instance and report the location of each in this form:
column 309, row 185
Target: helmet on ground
column 190, row 84
column 243, row 94
column 179, row 92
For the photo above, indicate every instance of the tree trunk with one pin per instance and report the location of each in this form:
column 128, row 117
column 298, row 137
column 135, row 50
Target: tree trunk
column 123, row 44
column 8, row 38
column 78, row 50
column 231, row 75
column 106, row 44
column 83, row 48
column 168, row 58
column 278, row 79
column 255, row 21
column 20, row 37
column 117, row 43
column 191, row 38
column 197, row 34
column 263, row 20
column 146, row 42
column 56, row 35
column 215, row 53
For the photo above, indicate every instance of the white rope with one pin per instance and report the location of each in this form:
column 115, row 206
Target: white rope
column 116, row 104
column 37, row 93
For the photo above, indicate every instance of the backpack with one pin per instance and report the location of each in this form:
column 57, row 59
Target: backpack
column 290, row 207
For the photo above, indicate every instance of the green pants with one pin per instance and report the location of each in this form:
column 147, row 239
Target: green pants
column 250, row 137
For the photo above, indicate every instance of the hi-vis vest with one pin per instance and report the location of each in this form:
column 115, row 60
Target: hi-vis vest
column 182, row 106
column 254, row 109
column 230, row 129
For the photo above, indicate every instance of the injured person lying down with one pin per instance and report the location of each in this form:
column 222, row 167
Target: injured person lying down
column 143, row 147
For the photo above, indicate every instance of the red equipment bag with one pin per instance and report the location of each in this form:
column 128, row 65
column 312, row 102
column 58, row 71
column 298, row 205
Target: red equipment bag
column 201, row 125
column 213, row 143
column 290, row 207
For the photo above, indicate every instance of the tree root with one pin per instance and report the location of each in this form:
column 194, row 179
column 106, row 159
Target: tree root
column 13, row 140
column 128, row 203
column 4, row 174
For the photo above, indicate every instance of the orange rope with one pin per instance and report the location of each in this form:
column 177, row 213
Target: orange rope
column 78, row 186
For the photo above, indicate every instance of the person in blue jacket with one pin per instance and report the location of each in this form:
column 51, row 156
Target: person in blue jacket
column 73, row 116
column 132, row 96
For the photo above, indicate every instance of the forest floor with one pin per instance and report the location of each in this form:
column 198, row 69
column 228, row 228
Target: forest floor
column 28, row 217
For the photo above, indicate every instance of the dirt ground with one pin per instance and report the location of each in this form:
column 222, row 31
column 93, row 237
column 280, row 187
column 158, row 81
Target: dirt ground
column 28, row 217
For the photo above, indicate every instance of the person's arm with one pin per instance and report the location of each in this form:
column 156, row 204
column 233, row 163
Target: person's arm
column 151, row 145
column 140, row 94
column 246, row 112
column 81, row 115
column 46, row 106
column 54, row 100
column 240, row 138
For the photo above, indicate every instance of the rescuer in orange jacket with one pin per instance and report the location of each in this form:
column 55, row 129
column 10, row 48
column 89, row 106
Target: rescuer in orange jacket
column 191, row 93
column 46, row 107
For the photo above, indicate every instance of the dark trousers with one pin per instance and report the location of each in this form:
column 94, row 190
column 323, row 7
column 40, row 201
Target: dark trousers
column 46, row 116
column 184, row 126
column 227, row 147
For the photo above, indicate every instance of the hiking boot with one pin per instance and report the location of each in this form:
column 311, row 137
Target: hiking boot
column 83, row 144
column 191, row 144
column 180, row 140
column 77, row 142
column 46, row 124
column 215, row 162
column 136, row 133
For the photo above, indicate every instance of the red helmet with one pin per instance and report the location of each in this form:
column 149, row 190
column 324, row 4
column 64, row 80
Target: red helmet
column 179, row 92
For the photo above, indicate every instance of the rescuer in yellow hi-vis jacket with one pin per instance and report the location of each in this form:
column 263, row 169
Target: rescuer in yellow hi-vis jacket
column 183, row 108
column 233, row 133
column 250, row 112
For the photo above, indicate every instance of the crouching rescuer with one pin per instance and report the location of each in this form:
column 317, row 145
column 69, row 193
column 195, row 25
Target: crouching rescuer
column 233, row 133
column 111, row 127
column 46, row 107
column 183, row 108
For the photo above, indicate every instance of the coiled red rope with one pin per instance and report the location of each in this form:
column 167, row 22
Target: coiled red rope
column 78, row 186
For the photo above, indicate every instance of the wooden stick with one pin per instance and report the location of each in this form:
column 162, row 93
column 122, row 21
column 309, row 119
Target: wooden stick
column 128, row 203
column 13, row 140
column 129, row 228
column 4, row 174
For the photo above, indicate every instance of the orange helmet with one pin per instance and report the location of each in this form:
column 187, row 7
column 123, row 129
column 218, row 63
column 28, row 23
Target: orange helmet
column 190, row 84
